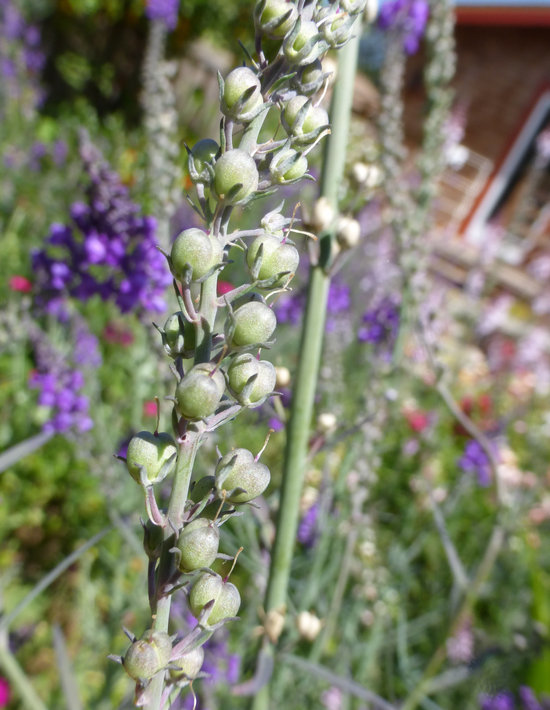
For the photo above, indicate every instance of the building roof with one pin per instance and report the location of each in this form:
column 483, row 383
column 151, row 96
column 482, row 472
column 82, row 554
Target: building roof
column 519, row 13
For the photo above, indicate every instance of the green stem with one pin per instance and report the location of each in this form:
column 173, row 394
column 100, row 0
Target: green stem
column 310, row 352
column 17, row 678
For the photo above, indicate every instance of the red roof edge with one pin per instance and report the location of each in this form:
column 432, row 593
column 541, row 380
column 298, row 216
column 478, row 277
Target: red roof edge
column 518, row 16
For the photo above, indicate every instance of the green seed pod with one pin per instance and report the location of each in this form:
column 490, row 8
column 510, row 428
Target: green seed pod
column 202, row 488
column 208, row 587
column 200, row 391
column 335, row 26
column 354, row 7
column 301, row 45
column 251, row 393
column 287, row 166
column 196, row 249
column 201, row 160
column 238, row 471
column 304, row 123
column 152, row 453
column 275, row 18
column 146, row 657
column 242, row 95
column 235, row 177
column 178, row 336
column 198, row 543
column 277, row 257
column 309, row 78
column 189, row 665
column 254, row 322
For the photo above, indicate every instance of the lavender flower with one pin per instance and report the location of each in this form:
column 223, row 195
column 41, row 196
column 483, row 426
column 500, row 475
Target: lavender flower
column 163, row 10
column 380, row 324
column 307, row 529
column 501, row 701
column 528, row 699
column 408, row 18
column 474, row 460
column 108, row 249
column 290, row 309
column 60, row 390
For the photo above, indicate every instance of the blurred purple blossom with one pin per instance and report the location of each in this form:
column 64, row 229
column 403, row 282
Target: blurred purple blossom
column 408, row 18
column 501, row 701
column 307, row 528
column 164, row 10
column 107, row 249
column 528, row 699
column 474, row 460
column 339, row 302
column 381, row 324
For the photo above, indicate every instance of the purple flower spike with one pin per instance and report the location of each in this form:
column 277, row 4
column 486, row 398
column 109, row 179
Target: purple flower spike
column 408, row 18
column 164, row 10
column 474, row 460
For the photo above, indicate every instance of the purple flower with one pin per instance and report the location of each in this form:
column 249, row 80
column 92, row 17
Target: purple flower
column 381, row 324
column 108, row 249
column 528, row 699
column 474, row 460
column 501, row 701
column 290, row 308
column 307, row 529
column 408, row 18
column 164, row 10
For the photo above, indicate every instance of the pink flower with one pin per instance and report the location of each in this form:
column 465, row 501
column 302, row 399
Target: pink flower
column 5, row 692
column 224, row 287
column 20, row 283
column 417, row 420
column 150, row 408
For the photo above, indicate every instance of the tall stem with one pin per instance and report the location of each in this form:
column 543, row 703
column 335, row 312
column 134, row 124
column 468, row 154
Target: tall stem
column 310, row 351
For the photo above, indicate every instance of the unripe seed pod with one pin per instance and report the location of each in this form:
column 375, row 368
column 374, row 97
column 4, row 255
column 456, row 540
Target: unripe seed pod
column 146, row 657
column 200, row 391
column 244, row 473
column 202, row 488
column 299, row 46
column 354, row 7
column 208, row 587
column 201, row 161
column 189, row 665
column 197, row 249
column 305, row 127
column 153, row 538
column 242, row 96
column 179, row 336
column 275, row 18
column 150, row 452
column 277, row 257
column 335, row 26
column 348, row 232
column 239, row 372
column 233, row 169
column 282, row 376
column 287, row 166
column 254, row 323
column 309, row 78
column 198, row 543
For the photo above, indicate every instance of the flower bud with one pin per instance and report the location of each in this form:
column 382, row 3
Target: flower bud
column 282, row 377
column 198, row 543
column 196, row 250
column 323, row 215
column 326, row 422
column 348, row 232
column 301, row 46
column 304, row 121
column 199, row 393
column 275, row 18
column 235, row 177
column 251, row 392
column 146, row 657
column 287, row 166
column 308, row 625
column 208, row 587
column 254, row 322
column 152, row 453
column 189, row 665
column 237, row 471
column 241, row 95
column 277, row 257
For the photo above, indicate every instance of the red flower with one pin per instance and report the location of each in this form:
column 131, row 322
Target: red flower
column 5, row 692
column 417, row 420
column 20, row 283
